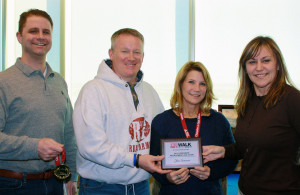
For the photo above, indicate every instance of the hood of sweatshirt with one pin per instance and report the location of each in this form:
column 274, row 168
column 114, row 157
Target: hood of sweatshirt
column 106, row 73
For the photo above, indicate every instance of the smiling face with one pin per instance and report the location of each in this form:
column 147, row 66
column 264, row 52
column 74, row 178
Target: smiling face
column 35, row 38
column 127, row 57
column 193, row 89
column 262, row 70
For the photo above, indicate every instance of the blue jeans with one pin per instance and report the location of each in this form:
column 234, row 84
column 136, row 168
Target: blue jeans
column 51, row 186
column 90, row 187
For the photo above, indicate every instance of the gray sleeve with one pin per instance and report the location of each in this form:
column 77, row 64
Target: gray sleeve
column 14, row 147
column 70, row 142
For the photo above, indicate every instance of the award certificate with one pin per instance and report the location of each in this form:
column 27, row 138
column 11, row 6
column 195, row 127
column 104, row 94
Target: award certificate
column 181, row 153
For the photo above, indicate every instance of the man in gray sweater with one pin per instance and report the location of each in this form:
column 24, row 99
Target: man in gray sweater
column 35, row 116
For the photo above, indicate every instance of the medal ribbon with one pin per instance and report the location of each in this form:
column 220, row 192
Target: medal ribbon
column 185, row 129
column 63, row 157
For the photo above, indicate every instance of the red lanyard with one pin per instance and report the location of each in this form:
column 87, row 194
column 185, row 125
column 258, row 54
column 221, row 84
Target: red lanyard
column 63, row 157
column 185, row 129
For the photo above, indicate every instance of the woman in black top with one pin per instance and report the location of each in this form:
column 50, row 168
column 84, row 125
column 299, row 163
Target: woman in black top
column 268, row 124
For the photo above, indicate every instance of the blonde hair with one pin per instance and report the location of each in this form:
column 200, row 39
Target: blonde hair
column 176, row 101
column 128, row 31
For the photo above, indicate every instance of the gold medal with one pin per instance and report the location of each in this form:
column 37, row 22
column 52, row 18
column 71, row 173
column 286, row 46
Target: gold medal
column 62, row 171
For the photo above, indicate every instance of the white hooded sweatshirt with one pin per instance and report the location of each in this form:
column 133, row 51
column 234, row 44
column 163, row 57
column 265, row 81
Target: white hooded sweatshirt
column 109, row 130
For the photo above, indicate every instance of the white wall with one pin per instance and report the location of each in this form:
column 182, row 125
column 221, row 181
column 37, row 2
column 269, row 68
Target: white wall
column 223, row 28
column 92, row 24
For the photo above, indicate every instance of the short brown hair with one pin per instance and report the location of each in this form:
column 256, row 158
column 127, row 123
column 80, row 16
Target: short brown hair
column 128, row 31
column 176, row 102
column 33, row 12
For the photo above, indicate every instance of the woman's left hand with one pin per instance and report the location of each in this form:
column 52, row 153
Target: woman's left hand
column 201, row 172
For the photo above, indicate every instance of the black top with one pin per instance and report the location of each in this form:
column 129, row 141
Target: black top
column 268, row 140
column 214, row 130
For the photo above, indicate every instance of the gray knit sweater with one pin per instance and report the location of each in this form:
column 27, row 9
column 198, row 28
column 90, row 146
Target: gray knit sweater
column 33, row 107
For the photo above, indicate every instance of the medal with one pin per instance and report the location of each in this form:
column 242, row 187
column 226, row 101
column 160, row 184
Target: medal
column 62, row 171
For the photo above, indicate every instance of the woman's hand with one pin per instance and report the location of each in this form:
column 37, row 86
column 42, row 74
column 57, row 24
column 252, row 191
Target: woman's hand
column 201, row 172
column 179, row 176
column 211, row 153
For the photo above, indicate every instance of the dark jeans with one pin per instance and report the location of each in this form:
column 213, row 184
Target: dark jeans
column 9, row 186
column 92, row 187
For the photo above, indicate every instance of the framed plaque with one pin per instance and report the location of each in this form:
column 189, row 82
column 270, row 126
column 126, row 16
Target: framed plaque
column 181, row 153
column 229, row 112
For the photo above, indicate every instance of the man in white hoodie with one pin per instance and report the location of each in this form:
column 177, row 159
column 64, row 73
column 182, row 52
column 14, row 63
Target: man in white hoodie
column 112, row 118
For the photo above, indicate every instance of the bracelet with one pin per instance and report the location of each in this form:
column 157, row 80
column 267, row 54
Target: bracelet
column 134, row 160
column 137, row 160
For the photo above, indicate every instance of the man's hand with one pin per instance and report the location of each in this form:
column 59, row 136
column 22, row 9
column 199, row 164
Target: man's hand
column 152, row 163
column 71, row 187
column 211, row 153
column 48, row 149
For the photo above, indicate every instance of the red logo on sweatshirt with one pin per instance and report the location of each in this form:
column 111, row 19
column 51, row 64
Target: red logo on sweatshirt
column 139, row 129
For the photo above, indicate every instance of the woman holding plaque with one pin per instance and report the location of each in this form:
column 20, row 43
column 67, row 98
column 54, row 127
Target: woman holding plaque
column 268, row 124
column 191, row 105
